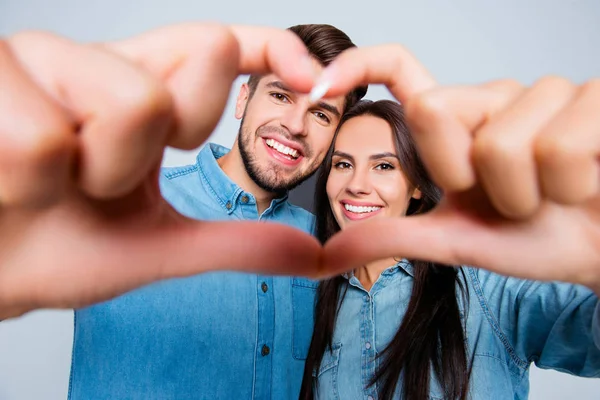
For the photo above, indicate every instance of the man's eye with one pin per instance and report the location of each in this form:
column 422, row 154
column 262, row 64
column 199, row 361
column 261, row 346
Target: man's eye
column 322, row 116
column 280, row 96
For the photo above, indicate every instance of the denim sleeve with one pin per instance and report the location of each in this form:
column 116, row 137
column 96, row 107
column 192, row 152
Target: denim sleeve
column 596, row 325
column 554, row 325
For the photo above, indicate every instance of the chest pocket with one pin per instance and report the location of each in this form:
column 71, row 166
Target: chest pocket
column 326, row 379
column 303, row 309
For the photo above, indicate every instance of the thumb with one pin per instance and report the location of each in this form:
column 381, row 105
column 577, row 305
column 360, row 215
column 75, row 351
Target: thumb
column 544, row 247
column 390, row 64
column 431, row 237
column 271, row 248
column 77, row 264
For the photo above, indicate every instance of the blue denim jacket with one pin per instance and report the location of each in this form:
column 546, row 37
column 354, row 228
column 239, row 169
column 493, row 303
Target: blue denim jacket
column 211, row 336
column 510, row 323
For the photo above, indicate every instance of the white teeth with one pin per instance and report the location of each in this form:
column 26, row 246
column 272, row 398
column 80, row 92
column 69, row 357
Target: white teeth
column 282, row 148
column 360, row 209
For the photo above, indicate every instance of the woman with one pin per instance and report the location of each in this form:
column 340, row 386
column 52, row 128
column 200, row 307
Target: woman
column 418, row 330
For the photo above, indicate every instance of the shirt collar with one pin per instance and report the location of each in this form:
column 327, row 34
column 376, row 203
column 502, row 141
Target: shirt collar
column 403, row 264
column 221, row 187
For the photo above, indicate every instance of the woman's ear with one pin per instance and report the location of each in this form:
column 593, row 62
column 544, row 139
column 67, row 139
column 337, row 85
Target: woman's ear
column 416, row 194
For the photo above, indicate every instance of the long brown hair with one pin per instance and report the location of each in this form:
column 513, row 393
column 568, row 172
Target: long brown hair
column 431, row 335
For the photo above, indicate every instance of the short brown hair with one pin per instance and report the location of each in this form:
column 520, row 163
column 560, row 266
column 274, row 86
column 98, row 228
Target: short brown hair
column 324, row 42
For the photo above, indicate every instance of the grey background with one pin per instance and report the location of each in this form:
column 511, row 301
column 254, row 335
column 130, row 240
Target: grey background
column 461, row 41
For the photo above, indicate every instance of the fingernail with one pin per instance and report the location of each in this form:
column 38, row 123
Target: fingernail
column 319, row 90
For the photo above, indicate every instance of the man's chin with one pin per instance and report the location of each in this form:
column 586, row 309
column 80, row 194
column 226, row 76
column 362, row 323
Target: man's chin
column 277, row 183
column 278, row 187
column 276, row 178
column 283, row 170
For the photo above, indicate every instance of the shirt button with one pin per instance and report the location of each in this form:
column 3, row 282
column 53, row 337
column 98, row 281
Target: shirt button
column 368, row 345
column 264, row 287
column 245, row 199
column 228, row 205
column 265, row 350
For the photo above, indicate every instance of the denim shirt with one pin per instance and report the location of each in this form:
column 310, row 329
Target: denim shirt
column 220, row 335
column 510, row 323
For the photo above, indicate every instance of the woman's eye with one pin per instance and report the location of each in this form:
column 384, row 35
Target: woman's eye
column 385, row 166
column 342, row 165
column 322, row 116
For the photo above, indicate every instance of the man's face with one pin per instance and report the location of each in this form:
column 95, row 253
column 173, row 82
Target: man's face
column 283, row 138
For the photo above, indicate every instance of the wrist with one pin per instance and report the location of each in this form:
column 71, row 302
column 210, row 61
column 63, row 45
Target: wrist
column 595, row 287
column 10, row 310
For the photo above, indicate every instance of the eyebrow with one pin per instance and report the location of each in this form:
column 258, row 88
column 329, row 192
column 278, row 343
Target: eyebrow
column 372, row 157
column 383, row 155
column 343, row 155
column 325, row 106
column 278, row 85
column 330, row 108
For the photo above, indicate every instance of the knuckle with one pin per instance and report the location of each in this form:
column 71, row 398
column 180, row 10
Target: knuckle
column 398, row 54
column 215, row 40
column 28, row 37
column 491, row 148
column 555, row 149
column 398, row 51
column 425, row 106
column 552, row 80
column 33, row 41
column 552, row 85
column 593, row 85
column 43, row 141
column 144, row 101
column 507, row 85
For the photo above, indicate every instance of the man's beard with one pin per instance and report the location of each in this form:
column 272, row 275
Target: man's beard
column 267, row 177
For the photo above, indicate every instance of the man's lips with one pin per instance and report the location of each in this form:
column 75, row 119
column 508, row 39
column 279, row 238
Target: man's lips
column 282, row 153
column 282, row 141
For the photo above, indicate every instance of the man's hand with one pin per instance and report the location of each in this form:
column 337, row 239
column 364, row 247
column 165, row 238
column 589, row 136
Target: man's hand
column 518, row 166
column 82, row 134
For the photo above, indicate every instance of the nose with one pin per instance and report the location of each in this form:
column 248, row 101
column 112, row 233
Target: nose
column 359, row 183
column 294, row 119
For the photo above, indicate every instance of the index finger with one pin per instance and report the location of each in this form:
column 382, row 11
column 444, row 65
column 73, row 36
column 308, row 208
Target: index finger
column 199, row 62
column 261, row 50
column 391, row 65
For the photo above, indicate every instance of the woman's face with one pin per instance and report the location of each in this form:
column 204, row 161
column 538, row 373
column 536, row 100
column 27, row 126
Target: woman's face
column 365, row 180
